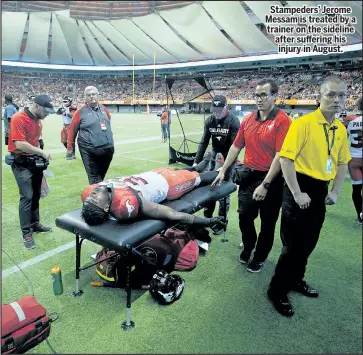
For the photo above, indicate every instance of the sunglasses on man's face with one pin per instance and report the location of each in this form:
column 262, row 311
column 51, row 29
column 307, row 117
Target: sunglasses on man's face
column 262, row 96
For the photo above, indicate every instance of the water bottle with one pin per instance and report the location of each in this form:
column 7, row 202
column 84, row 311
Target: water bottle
column 57, row 281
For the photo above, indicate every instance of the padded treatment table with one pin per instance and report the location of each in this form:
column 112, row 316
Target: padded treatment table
column 123, row 237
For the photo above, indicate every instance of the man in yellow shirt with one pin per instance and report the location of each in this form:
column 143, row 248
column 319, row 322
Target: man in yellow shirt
column 314, row 152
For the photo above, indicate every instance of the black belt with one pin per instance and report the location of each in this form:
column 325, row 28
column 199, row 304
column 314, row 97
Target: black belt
column 257, row 172
column 22, row 156
column 30, row 161
column 309, row 180
column 21, row 159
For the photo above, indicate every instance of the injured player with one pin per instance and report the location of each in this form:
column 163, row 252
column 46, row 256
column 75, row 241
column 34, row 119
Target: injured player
column 139, row 196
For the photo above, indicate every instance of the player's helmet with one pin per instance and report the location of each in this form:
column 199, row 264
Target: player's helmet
column 67, row 101
column 166, row 288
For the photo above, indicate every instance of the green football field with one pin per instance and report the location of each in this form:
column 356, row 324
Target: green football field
column 224, row 308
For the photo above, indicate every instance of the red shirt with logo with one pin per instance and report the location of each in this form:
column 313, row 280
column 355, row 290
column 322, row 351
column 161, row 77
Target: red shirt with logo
column 262, row 139
column 24, row 128
column 125, row 203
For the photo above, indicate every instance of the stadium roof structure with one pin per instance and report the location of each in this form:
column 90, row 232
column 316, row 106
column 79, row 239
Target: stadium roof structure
column 116, row 33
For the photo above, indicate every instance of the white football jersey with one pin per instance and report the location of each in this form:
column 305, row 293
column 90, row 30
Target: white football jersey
column 152, row 186
column 354, row 130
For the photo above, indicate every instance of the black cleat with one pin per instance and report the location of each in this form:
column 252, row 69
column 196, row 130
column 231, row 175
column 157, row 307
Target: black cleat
column 281, row 304
column 255, row 266
column 41, row 229
column 244, row 257
column 306, row 290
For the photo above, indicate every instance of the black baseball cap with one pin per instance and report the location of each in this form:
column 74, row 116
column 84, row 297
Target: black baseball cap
column 218, row 103
column 46, row 102
column 8, row 98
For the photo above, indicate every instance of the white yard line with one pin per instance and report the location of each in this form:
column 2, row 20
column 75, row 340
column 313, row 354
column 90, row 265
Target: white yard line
column 139, row 150
column 25, row 264
column 156, row 121
column 154, row 161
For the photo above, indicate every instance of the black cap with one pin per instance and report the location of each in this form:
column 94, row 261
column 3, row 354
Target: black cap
column 8, row 98
column 218, row 103
column 46, row 102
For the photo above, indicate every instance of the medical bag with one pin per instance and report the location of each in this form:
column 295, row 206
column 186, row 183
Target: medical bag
column 24, row 324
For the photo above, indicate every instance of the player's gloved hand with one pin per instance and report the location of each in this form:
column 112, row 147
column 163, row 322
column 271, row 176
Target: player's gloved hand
column 217, row 221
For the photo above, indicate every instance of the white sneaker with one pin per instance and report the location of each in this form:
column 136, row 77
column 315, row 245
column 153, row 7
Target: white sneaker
column 203, row 245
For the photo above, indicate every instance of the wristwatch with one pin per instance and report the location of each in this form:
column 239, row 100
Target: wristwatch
column 266, row 185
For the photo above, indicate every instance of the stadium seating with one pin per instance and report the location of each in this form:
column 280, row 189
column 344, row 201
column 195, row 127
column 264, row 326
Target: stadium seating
column 298, row 85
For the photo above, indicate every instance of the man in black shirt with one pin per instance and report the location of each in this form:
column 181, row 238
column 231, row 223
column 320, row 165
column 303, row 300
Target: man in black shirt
column 222, row 126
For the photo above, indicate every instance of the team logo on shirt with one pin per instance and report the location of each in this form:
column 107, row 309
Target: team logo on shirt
column 129, row 207
column 217, row 130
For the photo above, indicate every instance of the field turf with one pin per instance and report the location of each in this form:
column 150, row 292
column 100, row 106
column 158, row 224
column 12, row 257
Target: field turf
column 224, row 308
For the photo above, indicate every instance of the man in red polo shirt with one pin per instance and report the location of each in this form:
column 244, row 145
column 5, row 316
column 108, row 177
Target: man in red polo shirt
column 28, row 162
column 261, row 134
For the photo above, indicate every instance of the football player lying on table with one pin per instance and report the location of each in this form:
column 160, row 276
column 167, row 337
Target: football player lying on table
column 137, row 196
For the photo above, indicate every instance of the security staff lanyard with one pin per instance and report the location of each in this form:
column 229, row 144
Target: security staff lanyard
column 329, row 162
column 102, row 123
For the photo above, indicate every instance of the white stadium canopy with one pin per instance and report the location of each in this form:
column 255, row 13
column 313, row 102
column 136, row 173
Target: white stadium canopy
column 199, row 31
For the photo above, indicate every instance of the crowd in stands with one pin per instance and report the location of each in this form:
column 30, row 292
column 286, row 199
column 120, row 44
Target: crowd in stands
column 292, row 85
